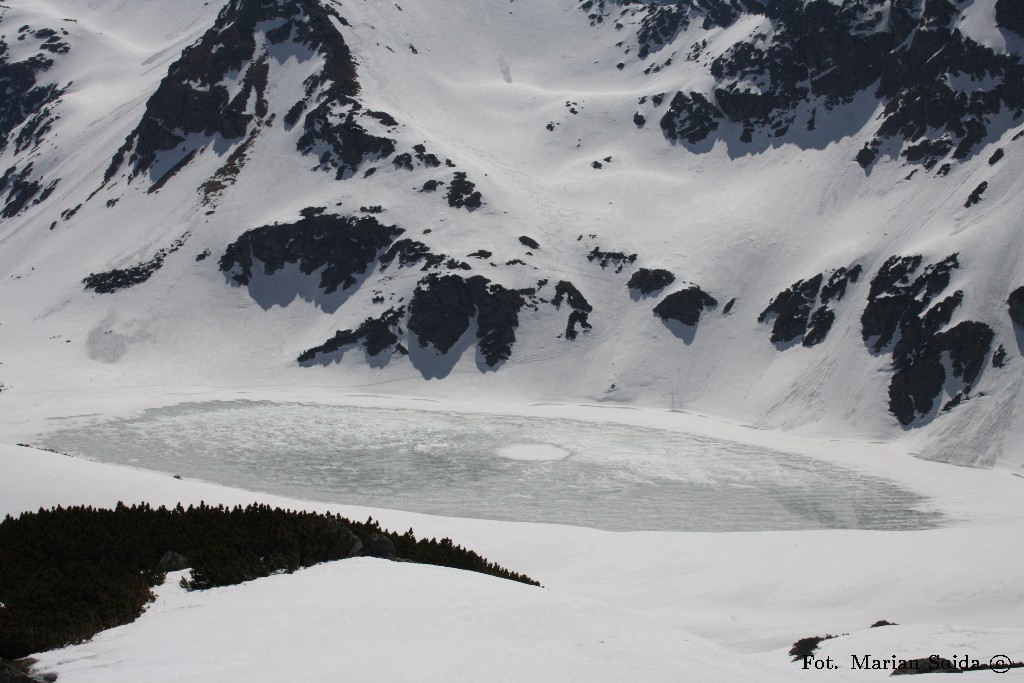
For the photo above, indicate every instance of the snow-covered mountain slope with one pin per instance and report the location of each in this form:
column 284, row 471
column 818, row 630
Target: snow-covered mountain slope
column 791, row 215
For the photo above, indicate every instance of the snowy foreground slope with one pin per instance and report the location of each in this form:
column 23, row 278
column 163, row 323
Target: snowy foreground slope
column 616, row 606
column 333, row 195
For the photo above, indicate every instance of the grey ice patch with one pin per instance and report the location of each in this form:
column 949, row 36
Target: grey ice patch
column 506, row 73
column 105, row 345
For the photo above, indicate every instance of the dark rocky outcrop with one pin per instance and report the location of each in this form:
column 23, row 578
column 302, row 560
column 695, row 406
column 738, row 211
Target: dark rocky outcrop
column 463, row 193
column 408, row 253
column 820, row 51
column 344, row 246
column 918, row 85
column 791, row 310
column 895, row 298
column 375, row 334
column 919, row 375
column 22, row 189
column 194, row 97
column 26, row 100
column 411, row 252
column 581, row 308
column 528, row 242
column 1015, row 304
column 900, row 312
column 999, row 357
column 685, row 306
column 975, row 195
column 122, row 278
column 604, row 259
column 818, row 326
column 648, row 280
column 420, row 154
column 403, row 160
column 835, row 288
column 566, row 291
column 690, row 117
column 443, row 305
column 662, row 22
column 796, row 311
column 943, row 93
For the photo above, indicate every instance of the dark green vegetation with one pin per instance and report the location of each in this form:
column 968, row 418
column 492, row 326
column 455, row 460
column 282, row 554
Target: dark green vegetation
column 68, row 573
column 805, row 647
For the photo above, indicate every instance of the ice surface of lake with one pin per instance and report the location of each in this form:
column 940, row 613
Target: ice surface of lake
column 599, row 475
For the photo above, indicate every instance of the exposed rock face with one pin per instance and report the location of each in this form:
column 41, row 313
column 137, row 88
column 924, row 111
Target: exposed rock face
column 194, row 98
column 1016, row 306
column 922, row 103
column 22, row 188
column 690, row 117
column 409, row 252
column 463, row 193
column 804, row 60
column 894, row 298
column 423, row 158
column 375, row 334
column 662, row 22
column 604, row 259
column 27, row 114
column 26, row 100
column 792, row 309
column 343, row 246
column 581, row 308
column 648, row 281
column 975, row 195
column 685, row 306
column 122, row 278
column 442, row 307
column 999, row 357
column 529, row 242
column 818, row 326
column 835, row 288
column 796, row 311
column 898, row 309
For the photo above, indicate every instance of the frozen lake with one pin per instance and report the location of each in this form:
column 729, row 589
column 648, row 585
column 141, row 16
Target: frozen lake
column 600, row 475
